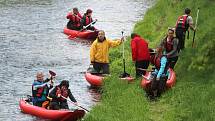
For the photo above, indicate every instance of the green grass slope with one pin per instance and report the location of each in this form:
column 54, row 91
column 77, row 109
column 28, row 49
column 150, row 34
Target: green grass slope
column 193, row 96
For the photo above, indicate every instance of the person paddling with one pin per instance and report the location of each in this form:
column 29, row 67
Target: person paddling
column 87, row 19
column 183, row 23
column 74, row 20
column 99, row 56
column 40, row 89
column 170, row 44
column 59, row 94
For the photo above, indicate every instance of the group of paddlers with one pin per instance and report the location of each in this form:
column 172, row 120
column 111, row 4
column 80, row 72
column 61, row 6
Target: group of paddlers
column 56, row 99
column 163, row 57
column 79, row 22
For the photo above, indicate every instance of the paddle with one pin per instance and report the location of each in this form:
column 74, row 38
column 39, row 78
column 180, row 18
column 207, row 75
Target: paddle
column 75, row 35
column 146, row 78
column 124, row 74
column 195, row 27
column 144, row 69
column 75, row 104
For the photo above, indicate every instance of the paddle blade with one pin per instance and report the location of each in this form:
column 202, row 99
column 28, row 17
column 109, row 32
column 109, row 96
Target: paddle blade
column 52, row 73
column 123, row 75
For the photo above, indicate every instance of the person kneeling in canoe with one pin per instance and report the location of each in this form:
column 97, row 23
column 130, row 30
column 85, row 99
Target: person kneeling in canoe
column 159, row 76
column 74, row 20
column 87, row 19
column 99, row 56
column 40, row 89
column 59, row 96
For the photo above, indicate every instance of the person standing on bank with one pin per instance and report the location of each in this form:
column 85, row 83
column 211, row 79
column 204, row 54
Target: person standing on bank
column 99, row 52
column 140, row 54
column 170, row 44
column 183, row 23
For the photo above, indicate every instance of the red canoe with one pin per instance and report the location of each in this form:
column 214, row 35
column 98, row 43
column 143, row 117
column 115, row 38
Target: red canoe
column 58, row 115
column 170, row 81
column 94, row 80
column 86, row 34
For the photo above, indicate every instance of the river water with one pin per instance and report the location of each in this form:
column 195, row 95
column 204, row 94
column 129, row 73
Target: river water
column 31, row 40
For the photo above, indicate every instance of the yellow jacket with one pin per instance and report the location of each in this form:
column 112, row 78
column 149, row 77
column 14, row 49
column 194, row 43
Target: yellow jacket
column 99, row 50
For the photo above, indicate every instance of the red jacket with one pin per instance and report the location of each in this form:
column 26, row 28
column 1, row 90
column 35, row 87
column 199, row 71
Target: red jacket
column 140, row 49
column 75, row 19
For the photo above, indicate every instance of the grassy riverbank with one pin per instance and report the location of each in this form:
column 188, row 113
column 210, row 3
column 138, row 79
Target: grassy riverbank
column 192, row 98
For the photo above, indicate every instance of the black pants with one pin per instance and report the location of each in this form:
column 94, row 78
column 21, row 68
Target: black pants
column 143, row 65
column 91, row 28
column 157, row 87
column 58, row 105
column 72, row 27
column 172, row 61
column 180, row 34
column 104, row 67
column 39, row 104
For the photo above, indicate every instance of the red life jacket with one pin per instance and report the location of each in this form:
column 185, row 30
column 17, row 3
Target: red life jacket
column 63, row 91
column 182, row 23
column 169, row 45
column 155, row 60
column 39, row 92
column 87, row 20
column 75, row 19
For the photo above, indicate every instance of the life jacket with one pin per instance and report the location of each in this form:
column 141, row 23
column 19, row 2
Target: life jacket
column 74, row 20
column 87, row 20
column 155, row 60
column 182, row 23
column 168, row 45
column 63, row 91
column 38, row 93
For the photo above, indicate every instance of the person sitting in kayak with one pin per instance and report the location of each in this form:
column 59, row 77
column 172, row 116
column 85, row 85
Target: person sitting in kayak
column 40, row 89
column 74, row 20
column 99, row 52
column 159, row 75
column 59, row 96
column 87, row 19
column 170, row 44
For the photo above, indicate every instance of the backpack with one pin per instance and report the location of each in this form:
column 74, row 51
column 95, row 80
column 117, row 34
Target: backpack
column 182, row 22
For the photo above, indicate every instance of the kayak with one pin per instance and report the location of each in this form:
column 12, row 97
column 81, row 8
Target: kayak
column 94, row 80
column 97, row 80
column 58, row 115
column 86, row 34
column 169, row 83
column 129, row 79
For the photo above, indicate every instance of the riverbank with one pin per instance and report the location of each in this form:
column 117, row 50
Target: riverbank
column 192, row 98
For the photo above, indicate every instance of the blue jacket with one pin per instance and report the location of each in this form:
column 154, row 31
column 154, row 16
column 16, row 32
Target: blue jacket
column 163, row 63
column 36, row 86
